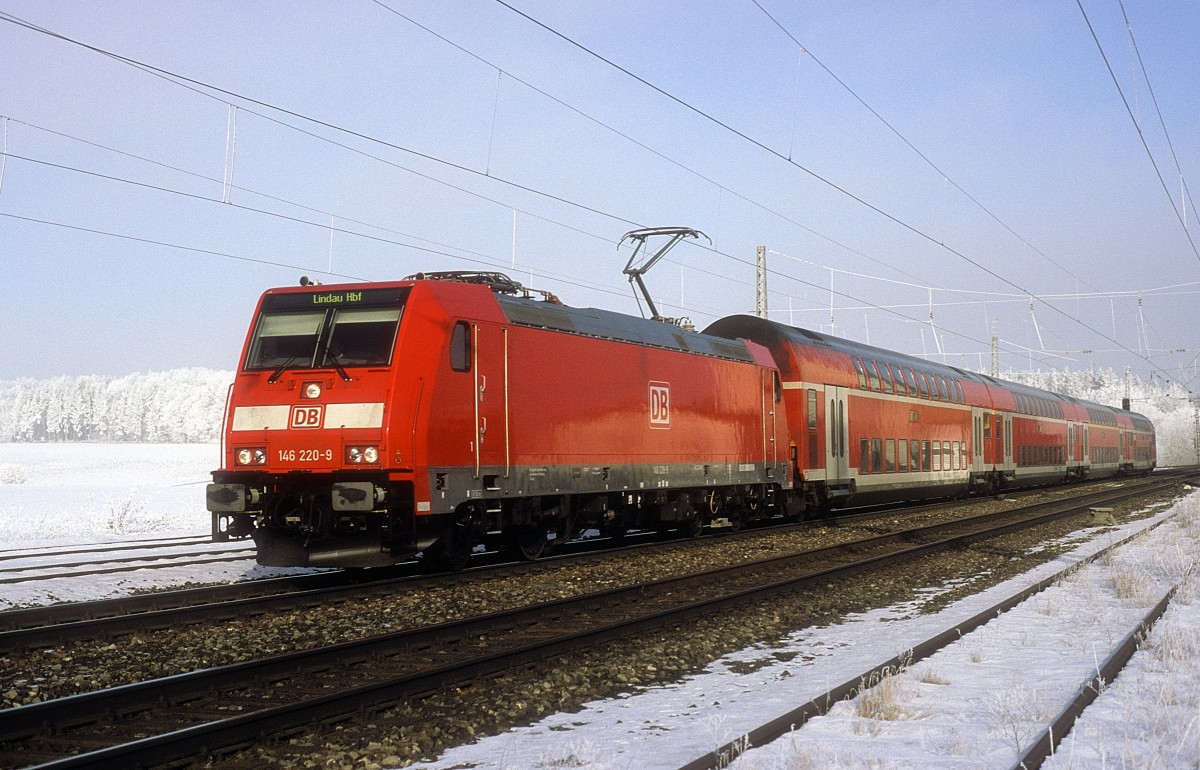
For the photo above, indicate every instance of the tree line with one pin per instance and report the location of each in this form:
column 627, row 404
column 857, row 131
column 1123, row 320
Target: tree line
column 177, row 406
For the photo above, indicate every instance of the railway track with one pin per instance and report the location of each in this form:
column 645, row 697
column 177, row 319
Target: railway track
column 111, row 618
column 1036, row 749
column 220, row 709
column 28, row 565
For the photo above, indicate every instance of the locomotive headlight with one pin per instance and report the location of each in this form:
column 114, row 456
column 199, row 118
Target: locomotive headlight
column 251, row 456
column 362, row 455
column 312, row 390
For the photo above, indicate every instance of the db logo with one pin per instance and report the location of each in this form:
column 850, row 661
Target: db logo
column 660, row 405
column 307, row 416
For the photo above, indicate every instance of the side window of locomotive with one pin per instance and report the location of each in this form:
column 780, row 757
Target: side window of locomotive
column 362, row 337
column 460, row 347
column 285, row 339
column 778, row 386
column 812, row 409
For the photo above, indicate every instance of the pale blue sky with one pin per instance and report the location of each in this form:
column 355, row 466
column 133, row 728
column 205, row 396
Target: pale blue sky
column 421, row 151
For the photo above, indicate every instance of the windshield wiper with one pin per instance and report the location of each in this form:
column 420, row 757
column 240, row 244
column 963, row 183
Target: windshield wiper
column 275, row 375
column 331, row 358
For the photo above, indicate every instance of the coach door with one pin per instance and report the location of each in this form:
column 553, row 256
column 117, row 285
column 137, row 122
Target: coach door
column 490, row 353
column 772, row 402
column 978, row 431
column 837, row 438
column 1008, row 442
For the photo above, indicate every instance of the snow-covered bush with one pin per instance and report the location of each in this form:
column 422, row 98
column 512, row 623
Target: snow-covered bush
column 12, row 474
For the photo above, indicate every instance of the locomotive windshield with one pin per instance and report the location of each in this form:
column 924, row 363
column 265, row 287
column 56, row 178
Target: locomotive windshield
column 322, row 337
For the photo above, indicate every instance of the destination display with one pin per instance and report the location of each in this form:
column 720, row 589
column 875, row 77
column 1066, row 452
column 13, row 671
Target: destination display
column 333, row 297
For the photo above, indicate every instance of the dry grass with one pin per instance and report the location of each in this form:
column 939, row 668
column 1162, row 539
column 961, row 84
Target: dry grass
column 879, row 698
column 1132, row 585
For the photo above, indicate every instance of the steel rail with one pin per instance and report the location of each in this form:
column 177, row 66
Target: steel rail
column 10, row 554
column 27, row 576
column 1040, row 750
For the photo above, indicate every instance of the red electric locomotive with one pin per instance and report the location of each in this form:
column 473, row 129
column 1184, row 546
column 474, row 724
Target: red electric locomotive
column 371, row 422
column 368, row 423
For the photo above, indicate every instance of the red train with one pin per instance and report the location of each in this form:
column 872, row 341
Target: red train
column 369, row 423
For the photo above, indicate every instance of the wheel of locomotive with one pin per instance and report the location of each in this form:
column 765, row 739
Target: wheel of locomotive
column 616, row 531
column 721, row 507
column 612, row 525
column 692, row 520
column 453, row 549
column 527, row 541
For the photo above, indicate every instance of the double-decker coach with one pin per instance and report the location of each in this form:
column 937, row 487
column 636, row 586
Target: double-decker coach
column 872, row 425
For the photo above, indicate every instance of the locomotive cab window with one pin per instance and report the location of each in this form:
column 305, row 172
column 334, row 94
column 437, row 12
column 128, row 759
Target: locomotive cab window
column 284, row 337
column 362, row 336
column 324, row 337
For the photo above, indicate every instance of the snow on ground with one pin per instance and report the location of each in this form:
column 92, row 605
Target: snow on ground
column 57, row 495
column 971, row 705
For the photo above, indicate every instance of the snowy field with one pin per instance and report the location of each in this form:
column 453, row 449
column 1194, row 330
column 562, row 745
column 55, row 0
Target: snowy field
column 64, row 493
column 57, row 495
column 971, row 705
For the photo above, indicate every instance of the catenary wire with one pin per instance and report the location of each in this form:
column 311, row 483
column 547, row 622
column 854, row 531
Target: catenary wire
column 1141, row 136
column 168, row 75
column 808, row 51
column 824, row 180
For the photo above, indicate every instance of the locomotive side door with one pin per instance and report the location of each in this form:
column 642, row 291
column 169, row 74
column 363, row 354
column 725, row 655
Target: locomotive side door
column 837, row 437
column 490, row 351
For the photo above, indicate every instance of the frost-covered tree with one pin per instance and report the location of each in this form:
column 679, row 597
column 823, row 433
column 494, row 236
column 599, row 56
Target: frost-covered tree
column 182, row 405
column 1168, row 407
column 187, row 405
